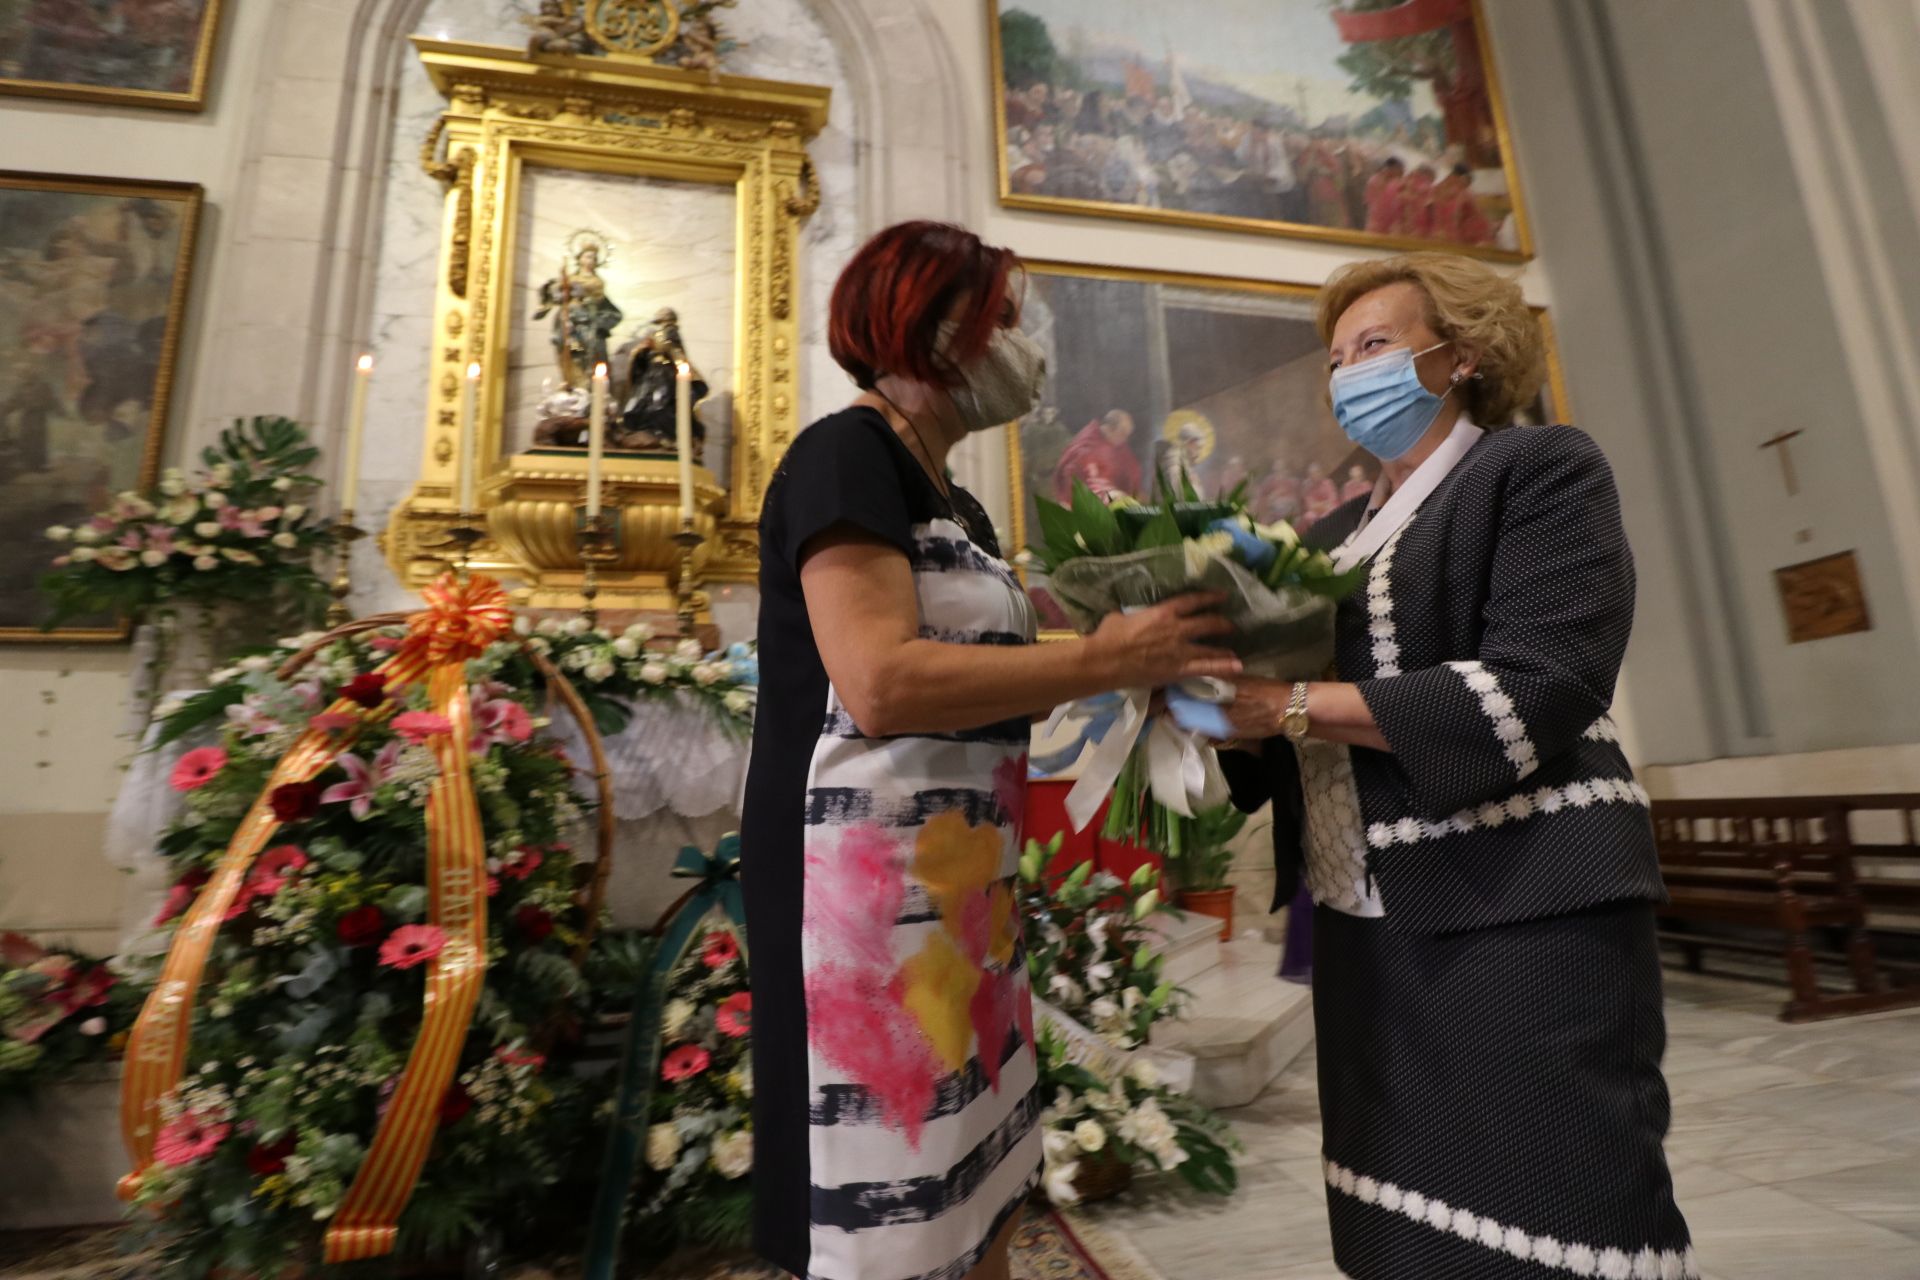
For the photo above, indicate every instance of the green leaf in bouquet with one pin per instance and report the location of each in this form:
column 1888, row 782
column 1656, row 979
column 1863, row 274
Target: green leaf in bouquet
column 1160, row 530
column 1057, row 528
column 1095, row 522
column 198, row 710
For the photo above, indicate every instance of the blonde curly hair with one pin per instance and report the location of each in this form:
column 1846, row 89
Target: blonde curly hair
column 1469, row 303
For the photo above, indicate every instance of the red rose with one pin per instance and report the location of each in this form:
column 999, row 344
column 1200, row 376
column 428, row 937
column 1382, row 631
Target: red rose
column 455, row 1104
column 269, row 1159
column 368, row 690
column 362, row 926
column 293, row 801
column 534, row 922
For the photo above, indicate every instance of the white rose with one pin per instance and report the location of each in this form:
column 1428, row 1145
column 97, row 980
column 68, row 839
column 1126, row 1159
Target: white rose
column 551, row 627
column 172, row 484
column 206, row 562
column 153, row 559
column 86, row 533
column 208, row 528
column 738, row 701
column 626, row 647
column 239, row 556
column 522, row 625
column 83, row 554
column 60, row 533
column 93, row 1027
column 281, row 484
column 577, row 626
column 601, row 670
column 221, row 474
column 653, row 673
column 293, row 513
column 639, row 633
column 674, row 1019
column 1105, row 1009
column 181, row 508
column 688, row 650
column 663, row 1147
column 213, row 500
column 733, row 1154
column 1145, row 1074
column 285, row 540
column 257, row 662
column 1089, row 1136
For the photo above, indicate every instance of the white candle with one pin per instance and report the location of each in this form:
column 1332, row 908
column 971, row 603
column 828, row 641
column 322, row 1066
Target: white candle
column 356, row 425
column 596, row 439
column 683, row 436
column 468, row 434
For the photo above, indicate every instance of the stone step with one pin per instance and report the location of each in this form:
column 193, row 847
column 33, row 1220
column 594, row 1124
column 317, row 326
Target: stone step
column 1191, row 944
column 1243, row 1026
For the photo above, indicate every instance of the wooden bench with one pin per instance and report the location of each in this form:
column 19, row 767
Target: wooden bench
column 1789, row 867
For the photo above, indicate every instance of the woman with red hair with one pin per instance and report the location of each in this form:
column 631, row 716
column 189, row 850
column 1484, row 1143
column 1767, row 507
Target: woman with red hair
column 895, row 1102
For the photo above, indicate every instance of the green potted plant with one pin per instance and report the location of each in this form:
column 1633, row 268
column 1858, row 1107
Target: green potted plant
column 1199, row 862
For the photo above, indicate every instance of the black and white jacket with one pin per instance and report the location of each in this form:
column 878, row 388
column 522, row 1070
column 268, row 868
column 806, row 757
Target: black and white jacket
column 1486, row 642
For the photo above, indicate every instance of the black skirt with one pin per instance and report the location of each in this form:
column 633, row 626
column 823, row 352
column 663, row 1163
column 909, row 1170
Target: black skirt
column 1491, row 1101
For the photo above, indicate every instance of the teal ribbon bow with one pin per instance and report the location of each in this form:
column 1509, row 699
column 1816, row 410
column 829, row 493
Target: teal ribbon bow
column 719, row 890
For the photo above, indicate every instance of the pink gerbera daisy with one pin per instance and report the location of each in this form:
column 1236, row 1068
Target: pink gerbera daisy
column 685, row 1062
column 197, row 768
column 188, row 1139
column 735, row 1017
column 721, row 950
column 412, row 945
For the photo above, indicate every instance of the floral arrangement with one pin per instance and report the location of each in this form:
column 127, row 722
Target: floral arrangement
column 1107, row 555
column 58, row 1009
column 1089, row 946
column 697, row 1188
column 312, row 997
column 610, row 669
column 1128, row 1116
column 241, row 529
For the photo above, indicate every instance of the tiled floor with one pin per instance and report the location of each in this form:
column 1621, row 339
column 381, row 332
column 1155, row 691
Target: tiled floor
column 1795, row 1152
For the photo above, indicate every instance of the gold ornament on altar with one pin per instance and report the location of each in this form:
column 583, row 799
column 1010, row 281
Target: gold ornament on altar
column 679, row 33
column 640, row 28
column 661, row 530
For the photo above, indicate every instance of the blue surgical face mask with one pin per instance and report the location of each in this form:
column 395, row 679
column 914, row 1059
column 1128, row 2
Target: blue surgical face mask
column 1382, row 404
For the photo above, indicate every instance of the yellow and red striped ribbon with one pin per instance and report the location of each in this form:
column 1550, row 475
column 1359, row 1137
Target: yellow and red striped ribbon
column 461, row 619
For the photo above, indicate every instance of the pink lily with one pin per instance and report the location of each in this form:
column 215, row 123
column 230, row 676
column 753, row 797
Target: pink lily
column 251, row 719
column 363, row 780
column 243, row 521
column 160, row 538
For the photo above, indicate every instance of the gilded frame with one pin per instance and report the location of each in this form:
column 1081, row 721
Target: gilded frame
column 189, row 196
column 193, row 99
column 621, row 117
column 1555, row 391
column 1260, row 226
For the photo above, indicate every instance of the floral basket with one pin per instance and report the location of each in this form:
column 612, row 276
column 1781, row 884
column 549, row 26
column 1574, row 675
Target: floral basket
column 1100, row 1177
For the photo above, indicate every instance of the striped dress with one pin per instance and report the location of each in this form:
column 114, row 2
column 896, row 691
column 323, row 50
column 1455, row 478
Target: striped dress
column 896, row 1105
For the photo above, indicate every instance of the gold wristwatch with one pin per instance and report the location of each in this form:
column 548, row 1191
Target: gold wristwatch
column 1294, row 721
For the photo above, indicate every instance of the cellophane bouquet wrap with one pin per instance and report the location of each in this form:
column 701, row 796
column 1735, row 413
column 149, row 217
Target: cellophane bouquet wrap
column 1112, row 555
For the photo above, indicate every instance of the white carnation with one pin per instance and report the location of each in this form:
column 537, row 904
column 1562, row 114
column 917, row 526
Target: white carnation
column 663, row 1147
column 687, row 650
column 577, row 626
column 639, row 633
column 733, row 1154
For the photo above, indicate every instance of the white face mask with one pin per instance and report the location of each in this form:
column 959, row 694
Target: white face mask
column 1003, row 385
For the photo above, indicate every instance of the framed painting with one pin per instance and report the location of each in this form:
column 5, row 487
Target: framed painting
column 1375, row 122
column 133, row 53
column 1154, row 373
column 93, row 288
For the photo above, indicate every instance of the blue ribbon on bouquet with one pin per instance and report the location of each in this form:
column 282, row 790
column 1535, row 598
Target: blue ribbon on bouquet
column 719, row 890
column 1183, row 769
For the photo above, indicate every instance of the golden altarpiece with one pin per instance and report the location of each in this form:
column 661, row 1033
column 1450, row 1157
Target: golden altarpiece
column 642, row 128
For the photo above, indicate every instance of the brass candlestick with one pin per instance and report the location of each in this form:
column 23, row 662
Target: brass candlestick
column 599, row 545
column 688, row 540
column 469, row 530
column 345, row 534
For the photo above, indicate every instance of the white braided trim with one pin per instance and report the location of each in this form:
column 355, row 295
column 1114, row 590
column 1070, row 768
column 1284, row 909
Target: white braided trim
column 1558, row 1255
column 1386, row 640
column 1602, row 730
column 1516, row 808
column 1499, row 709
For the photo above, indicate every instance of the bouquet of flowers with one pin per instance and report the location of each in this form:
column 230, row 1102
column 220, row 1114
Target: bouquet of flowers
column 1127, row 1116
column 241, row 529
column 58, row 1009
column 312, row 997
column 699, row 1151
column 609, row 669
column 1108, row 555
column 1089, row 947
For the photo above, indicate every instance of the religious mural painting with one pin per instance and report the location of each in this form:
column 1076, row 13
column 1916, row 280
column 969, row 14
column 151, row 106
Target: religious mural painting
column 143, row 53
column 1372, row 122
column 93, row 284
column 1154, row 375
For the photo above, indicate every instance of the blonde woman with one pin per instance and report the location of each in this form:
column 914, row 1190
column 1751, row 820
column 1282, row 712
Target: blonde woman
column 1486, row 977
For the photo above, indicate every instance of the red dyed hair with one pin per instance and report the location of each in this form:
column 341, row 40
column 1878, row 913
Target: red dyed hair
column 889, row 303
